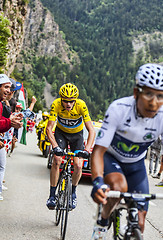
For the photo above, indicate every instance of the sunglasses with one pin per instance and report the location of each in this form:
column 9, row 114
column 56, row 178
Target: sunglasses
column 149, row 95
column 68, row 101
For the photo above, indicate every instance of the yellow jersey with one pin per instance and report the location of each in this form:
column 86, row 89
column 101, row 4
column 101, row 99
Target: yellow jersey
column 69, row 121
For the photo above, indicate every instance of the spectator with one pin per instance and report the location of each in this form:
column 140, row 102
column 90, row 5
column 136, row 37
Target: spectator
column 158, row 175
column 160, row 184
column 27, row 114
column 6, row 123
column 155, row 151
column 8, row 107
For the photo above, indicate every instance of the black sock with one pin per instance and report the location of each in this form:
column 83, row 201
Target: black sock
column 73, row 189
column 103, row 222
column 52, row 191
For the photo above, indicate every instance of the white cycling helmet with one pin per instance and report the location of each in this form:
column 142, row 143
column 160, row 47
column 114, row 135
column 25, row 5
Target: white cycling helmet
column 150, row 75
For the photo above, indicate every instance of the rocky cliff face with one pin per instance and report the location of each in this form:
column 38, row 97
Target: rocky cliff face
column 34, row 31
column 42, row 34
column 15, row 11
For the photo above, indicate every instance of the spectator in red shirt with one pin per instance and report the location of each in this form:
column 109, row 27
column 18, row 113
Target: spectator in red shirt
column 13, row 121
column 6, row 123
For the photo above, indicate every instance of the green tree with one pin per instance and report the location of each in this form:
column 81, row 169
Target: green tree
column 4, row 35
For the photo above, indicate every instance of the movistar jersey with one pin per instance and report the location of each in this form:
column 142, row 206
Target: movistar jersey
column 69, row 121
column 126, row 135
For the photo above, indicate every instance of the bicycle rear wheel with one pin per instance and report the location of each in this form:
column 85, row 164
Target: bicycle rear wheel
column 50, row 160
column 64, row 212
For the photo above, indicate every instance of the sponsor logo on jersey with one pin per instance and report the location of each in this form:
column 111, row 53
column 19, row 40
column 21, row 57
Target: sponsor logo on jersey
column 127, row 122
column 106, row 119
column 124, row 104
column 74, row 115
column 151, row 129
column 70, row 122
column 128, row 148
column 149, row 136
column 116, row 165
column 122, row 131
column 106, row 116
column 100, row 134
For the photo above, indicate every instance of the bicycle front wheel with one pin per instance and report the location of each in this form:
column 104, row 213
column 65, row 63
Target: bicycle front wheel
column 64, row 213
column 136, row 235
column 59, row 200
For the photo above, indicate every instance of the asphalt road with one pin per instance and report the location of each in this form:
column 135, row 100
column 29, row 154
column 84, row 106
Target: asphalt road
column 24, row 215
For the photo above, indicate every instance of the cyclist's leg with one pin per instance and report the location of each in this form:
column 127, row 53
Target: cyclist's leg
column 54, row 176
column 54, row 173
column 78, row 163
column 76, row 143
column 62, row 143
column 144, row 188
column 114, row 177
column 138, row 182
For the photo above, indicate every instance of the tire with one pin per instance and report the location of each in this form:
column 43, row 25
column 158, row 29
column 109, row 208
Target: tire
column 116, row 224
column 43, row 147
column 46, row 152
column 60, row 199
column 50, row 161
column 135, row 236
column 64, row 213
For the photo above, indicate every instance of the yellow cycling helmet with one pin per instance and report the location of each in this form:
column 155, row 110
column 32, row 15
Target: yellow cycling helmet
column 68, row 91
column 45, row 114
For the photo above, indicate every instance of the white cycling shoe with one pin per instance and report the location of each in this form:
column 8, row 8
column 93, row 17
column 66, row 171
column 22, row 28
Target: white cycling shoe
column 99, row 232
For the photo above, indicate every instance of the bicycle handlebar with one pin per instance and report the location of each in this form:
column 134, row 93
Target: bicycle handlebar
column 134, row 196
column 82, row 154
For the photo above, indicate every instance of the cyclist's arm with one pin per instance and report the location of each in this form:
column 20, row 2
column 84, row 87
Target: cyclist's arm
column 49, row 131
column 91, row 135
column 97, row 169
column 97, row 161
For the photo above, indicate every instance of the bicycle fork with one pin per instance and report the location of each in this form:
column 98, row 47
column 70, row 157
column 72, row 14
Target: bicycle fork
column 118, row 235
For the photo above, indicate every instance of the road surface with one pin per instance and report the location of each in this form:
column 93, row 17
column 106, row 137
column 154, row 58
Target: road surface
column 24, row 215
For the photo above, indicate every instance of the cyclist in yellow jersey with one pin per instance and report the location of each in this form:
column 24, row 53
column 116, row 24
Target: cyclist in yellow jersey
column 71, row 114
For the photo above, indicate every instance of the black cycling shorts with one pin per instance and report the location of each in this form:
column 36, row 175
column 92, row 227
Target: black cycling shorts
column 135, row 174
column 74, row 140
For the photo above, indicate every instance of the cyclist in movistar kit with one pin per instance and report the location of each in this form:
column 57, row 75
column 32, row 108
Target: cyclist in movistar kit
column 71, row 114
column 131, row 124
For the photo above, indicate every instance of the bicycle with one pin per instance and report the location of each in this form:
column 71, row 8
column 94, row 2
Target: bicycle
column 131, row 229
column 64, row 191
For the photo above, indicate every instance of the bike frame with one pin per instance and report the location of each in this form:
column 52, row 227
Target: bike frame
column 132, row 230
